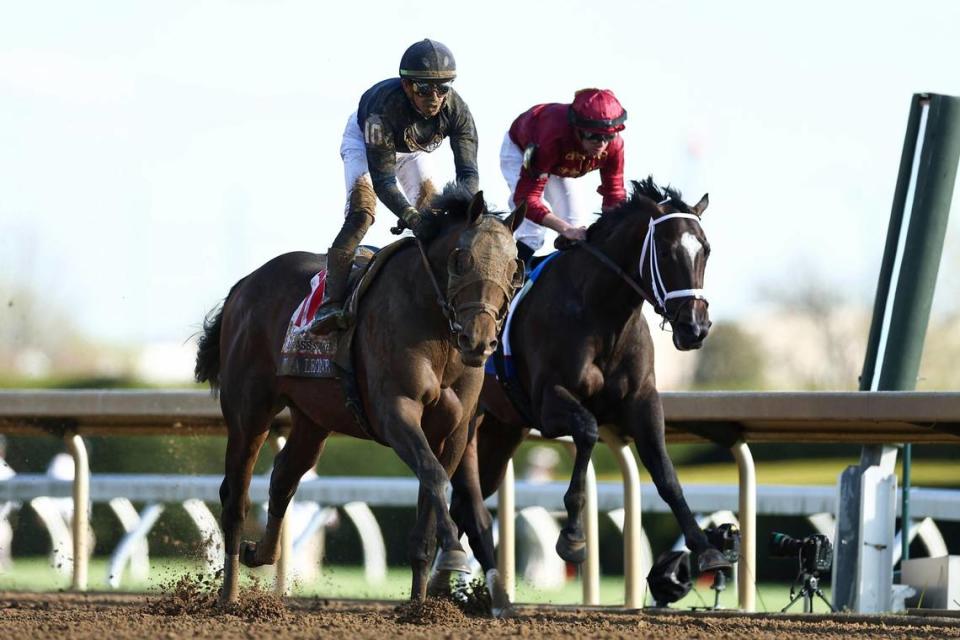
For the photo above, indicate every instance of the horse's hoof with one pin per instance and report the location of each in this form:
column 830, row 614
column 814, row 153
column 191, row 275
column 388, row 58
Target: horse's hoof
column 503, row 613
column 712, row 560
column 500, row 606
column 439, row 584
column 572, row 549
column 453, row 560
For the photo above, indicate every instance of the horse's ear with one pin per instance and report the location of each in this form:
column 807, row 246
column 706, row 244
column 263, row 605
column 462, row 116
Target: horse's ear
column 514, row 220
column 701, row 206
column 476, row 208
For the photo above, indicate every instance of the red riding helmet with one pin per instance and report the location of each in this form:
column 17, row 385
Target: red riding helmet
column 597, row 110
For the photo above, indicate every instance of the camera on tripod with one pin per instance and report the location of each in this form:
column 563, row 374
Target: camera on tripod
column 815, row 551
column 815, row 556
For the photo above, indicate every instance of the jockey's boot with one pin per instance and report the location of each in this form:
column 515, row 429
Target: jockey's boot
column 330, row 316
column 361, row 207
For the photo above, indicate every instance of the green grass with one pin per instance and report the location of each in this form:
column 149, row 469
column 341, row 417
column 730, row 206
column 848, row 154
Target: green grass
column 36, row 575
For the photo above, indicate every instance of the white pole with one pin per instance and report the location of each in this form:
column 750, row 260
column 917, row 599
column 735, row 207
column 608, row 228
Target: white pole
column 633, row 582
column 591, row 567
column 81, row 509
column 506, row 515
column 747, row 567
column 286, row 536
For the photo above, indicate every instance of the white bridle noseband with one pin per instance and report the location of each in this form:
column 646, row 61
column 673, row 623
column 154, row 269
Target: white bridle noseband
column 660, row 291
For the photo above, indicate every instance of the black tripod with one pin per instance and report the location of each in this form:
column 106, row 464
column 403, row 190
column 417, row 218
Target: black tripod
column 809, row 587
column 719, row 584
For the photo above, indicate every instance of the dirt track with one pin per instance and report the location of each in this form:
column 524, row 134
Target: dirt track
column 113, row 617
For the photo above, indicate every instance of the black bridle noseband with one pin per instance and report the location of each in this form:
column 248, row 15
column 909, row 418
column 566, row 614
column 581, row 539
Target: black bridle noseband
column 452, row 312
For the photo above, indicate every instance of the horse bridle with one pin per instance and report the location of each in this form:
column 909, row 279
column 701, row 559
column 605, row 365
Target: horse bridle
column 660, row 292
column 453, row 312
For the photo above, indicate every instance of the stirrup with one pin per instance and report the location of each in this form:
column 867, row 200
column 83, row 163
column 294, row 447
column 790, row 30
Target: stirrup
column 327, row 320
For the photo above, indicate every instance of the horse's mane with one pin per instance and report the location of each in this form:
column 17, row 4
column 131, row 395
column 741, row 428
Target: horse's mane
column 452, row 205
column 642, row 201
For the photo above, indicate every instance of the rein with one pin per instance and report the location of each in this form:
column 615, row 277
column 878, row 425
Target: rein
column 448, row 311
column 660, row 292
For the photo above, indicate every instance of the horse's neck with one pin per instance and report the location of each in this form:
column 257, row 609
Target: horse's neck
column 601, row 287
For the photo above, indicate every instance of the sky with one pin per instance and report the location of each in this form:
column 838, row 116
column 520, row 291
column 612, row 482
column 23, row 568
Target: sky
column 153, row 153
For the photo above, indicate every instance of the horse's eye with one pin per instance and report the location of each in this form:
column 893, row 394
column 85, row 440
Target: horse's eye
column 460, row 262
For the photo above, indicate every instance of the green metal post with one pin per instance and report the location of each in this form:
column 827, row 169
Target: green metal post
column 901, row 311
column 920, row 259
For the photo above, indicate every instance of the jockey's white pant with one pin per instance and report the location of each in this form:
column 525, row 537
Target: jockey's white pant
column 412, row 168
column 561, row 195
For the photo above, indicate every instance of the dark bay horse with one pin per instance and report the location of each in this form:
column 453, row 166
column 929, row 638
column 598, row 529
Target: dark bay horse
column 583, row 357
column 419, row 395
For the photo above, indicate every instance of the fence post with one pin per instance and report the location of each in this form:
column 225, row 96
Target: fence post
column 633, row 579
column 506, row 517
column 81, row 509
column 747, row 568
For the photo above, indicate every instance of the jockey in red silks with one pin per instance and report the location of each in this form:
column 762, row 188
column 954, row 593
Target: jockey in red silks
column 550, row 145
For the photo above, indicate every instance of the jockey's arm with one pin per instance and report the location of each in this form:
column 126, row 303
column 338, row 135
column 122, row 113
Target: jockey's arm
column 611, row 177
column 463, row 143
column 562, row 227
column 382, row 163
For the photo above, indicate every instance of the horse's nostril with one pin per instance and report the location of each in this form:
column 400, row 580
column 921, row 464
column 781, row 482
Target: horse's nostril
column 493, row 345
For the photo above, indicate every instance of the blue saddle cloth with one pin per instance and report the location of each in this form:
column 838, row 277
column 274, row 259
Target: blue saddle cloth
column 500, row 364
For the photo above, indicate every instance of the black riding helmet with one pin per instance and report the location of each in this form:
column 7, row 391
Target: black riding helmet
column 428, row 60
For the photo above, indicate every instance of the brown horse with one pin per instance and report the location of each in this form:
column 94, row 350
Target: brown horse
column 417, row 392
column 583, row 357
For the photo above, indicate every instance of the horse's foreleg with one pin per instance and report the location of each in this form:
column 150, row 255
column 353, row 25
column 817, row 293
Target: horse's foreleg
column 298, row 456
column 646, row 424
column 561, row 412
column 498, row 442
column 243, row 446
column 423, row 544
column 401, row 430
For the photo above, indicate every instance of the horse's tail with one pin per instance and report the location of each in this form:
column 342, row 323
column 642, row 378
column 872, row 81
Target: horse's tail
column 207, row 368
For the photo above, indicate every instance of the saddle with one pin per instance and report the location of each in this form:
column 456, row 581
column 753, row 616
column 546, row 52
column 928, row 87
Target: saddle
column 310, row 356
column 331, row 356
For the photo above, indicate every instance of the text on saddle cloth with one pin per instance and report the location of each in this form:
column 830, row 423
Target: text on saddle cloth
column 307, row 355
column 303, row 353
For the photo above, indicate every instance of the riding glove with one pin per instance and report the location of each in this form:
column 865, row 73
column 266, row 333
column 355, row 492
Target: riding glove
column 424, row 225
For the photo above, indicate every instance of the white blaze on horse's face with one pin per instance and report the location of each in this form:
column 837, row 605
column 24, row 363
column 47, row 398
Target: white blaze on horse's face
column 693, row 246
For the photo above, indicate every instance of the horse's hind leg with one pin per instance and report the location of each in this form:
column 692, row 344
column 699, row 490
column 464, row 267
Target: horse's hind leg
column 298, row 456
column 644, row 415
column 247, row 432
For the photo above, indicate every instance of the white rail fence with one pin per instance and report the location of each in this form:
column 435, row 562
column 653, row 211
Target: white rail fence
column 729, row 419
column 355, row 496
